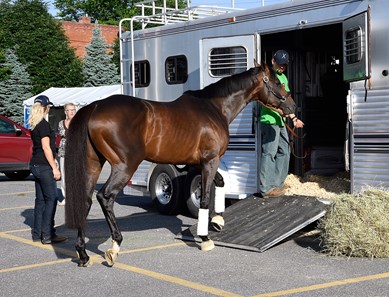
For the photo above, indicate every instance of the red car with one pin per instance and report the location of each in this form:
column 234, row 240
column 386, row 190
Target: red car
column 15, row 149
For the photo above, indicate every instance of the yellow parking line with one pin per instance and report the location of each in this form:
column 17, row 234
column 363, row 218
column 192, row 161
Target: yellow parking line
column 38, row 244
column 176, row 280
column 17, row 193
column 35, row 265
column 17, row 207
column 134, row 269
column 172, row 279
column 152, row 248
column 326, row 285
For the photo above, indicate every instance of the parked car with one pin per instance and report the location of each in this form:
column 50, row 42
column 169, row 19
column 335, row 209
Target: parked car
column 15, row 149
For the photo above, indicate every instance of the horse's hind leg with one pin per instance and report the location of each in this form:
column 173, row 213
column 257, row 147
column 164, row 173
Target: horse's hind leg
column 93, row 172
column 80, row 248
column 120, row 174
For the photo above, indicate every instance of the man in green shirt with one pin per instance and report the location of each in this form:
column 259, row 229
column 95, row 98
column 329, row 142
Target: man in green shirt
column 275, row 141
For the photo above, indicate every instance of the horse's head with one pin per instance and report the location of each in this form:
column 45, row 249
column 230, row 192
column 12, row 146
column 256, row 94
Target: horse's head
column 271, row 93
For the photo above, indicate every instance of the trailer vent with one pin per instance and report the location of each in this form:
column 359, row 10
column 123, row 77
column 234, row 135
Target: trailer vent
column 226, row 61
column 353, row 46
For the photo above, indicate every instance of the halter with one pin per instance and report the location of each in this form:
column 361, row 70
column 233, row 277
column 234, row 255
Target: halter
column 270, row 90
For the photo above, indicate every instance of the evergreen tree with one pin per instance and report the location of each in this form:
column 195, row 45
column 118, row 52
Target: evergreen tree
column 42, row 44
column 4, row 71
column 15, row 89
column 98, row 68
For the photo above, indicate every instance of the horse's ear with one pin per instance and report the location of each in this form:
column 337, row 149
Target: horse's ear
column 256, row 63
column 265, row 68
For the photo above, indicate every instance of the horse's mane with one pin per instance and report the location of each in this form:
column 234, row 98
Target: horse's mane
column 232, row 84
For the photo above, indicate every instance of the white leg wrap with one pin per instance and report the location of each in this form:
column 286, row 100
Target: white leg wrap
column 220, row 196
column 202, row 224
column 115, row 247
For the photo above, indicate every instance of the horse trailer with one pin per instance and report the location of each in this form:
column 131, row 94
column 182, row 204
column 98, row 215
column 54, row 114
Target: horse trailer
column 338, row 76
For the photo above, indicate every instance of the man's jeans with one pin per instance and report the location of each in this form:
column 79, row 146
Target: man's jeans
column 275, row 157
column 45, row 201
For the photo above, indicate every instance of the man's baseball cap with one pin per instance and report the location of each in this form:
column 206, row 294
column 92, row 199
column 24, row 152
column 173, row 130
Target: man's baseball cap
column 281, row 57
column 43, row 100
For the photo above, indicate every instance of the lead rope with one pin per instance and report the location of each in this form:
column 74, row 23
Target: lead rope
column 291, row 142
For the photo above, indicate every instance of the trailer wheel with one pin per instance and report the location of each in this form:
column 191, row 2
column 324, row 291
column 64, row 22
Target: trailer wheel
column 193, row 193
column 165, row 187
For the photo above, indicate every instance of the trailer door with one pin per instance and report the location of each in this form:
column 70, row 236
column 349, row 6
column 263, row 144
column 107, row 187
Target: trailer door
column 368, row 133
column 356, row 63
column 221, row 57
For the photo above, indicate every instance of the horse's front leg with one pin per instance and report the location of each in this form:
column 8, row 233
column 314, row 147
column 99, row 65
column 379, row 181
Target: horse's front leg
column 217, row 221
column 80, row 248
column 106, row 204
column 207, row 174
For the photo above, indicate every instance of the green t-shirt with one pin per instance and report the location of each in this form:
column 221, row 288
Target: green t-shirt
column 272, row 117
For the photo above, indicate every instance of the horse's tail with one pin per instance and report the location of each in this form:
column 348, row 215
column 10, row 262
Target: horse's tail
column 77, row 193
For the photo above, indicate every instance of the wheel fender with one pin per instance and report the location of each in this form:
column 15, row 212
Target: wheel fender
column 149, row 173
column 223, row 171
column 152, row 168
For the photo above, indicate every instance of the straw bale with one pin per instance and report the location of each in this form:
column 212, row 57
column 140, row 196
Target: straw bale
column 357, row 225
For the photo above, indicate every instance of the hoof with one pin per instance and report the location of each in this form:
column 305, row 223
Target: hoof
column 110, row 257
column 86, row 264
column 217, row 223
column 83, row 262
column 207, row 245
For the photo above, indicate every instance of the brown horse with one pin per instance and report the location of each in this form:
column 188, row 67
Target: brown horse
column 125, row 131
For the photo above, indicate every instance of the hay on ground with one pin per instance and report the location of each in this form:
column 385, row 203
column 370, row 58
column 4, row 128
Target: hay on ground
column 357, row 225
column 318, row 186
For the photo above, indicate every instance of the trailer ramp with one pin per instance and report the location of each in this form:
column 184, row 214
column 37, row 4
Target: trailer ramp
column 256, row 224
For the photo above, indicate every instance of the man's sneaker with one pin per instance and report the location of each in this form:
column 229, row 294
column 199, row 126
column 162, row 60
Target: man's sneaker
column 54, row 239
column 284, row 187
column 274, row 193
column 61, row 203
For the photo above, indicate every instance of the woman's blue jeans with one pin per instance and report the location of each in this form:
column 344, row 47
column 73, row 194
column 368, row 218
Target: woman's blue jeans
column 275, row 157
column 45, row 201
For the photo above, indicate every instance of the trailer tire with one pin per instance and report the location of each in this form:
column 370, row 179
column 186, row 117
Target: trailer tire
column 193, row 193
column 165, row 187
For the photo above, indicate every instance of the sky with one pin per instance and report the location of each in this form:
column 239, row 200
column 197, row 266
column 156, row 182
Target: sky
column 227, row 3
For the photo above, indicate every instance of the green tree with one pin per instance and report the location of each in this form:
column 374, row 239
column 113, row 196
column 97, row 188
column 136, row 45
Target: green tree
column 4, row 71
column 15, row 89
column 105, row 11
column 116, row 54
column 41, row 44
column 98, row 68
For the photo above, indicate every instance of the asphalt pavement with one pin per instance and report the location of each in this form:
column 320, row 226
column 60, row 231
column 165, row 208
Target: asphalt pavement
column 152, row 262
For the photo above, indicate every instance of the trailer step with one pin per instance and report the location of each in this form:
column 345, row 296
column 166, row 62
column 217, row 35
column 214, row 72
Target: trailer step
column 256, row 224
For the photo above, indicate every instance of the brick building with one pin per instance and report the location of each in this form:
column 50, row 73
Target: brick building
column 80, row 33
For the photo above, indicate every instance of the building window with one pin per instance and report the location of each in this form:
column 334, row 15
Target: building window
column 226, row 61
column 142, row 74
column 353, row 46
column 176, row 70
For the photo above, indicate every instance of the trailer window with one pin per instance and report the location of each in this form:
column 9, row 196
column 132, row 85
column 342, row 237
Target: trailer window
column 225, row 61
column 176, row 70
column 142, row 74
column 353, row 45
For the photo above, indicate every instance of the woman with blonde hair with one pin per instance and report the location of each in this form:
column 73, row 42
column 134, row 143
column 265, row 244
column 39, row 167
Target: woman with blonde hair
column 45, row 172
column 70, row 111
